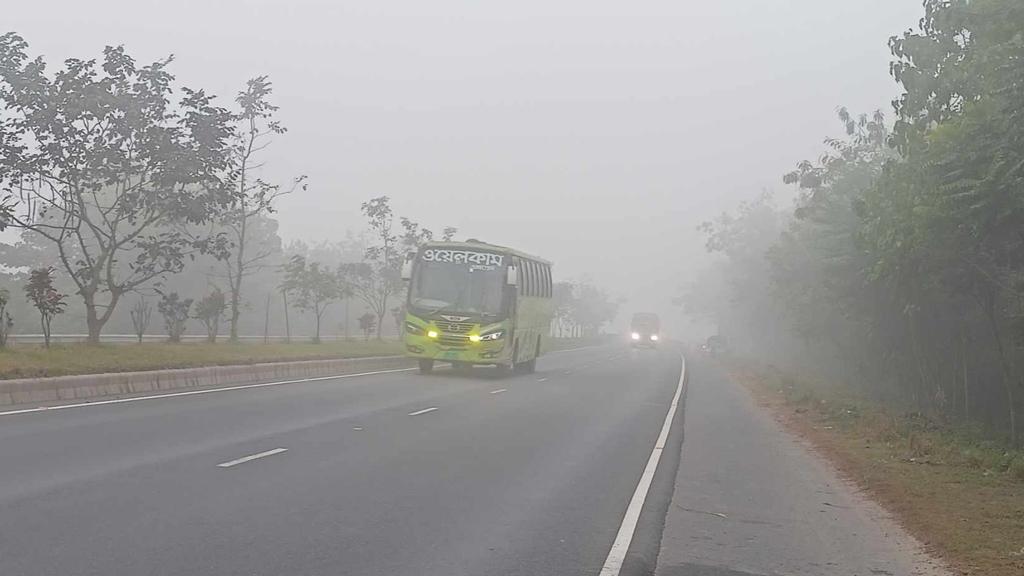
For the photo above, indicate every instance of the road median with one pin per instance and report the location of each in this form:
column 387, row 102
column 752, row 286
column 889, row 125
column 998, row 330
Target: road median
column 86, row 386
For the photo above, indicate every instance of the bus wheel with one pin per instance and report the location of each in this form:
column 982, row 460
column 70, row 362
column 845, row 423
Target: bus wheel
column 426, row 366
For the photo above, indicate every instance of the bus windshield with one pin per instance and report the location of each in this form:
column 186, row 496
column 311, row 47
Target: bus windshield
column 458, row 287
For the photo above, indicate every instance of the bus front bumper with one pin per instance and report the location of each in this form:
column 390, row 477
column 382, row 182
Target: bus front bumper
column 472, row 353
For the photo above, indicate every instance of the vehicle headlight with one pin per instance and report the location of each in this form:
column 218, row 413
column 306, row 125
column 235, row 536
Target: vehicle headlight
column 489, row 337
column 413, row 329
column 636, row 335
column 654, row 337
column 432, row 334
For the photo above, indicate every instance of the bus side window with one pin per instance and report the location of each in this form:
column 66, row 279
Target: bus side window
column 530, row 291
column 547, row 281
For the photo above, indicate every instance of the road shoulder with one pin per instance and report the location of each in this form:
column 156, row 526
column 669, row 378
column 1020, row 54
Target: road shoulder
column 752, row 499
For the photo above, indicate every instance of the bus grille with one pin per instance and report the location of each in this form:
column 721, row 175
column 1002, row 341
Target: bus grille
column 453, row 341
column 455, row 327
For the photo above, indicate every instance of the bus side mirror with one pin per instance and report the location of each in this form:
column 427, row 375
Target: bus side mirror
column 407, row 269
column 512, row 276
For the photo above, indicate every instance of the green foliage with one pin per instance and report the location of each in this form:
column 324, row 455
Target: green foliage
column 209, row 310
column 99, row 157
column 46, row 299
column 901, row 269
column 581, row 308
column 313, row 286
column 175, row 311
column 367, row 323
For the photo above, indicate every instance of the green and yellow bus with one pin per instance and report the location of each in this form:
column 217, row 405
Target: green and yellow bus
column 471, row 303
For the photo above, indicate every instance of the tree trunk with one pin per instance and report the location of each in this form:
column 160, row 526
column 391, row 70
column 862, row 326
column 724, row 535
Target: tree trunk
column 93, row 323
column 348, row 335
column 963, row 357
column 1004, row 362
column 318, row 312
column 235, row 310
column 287, row 324
column 266, row 322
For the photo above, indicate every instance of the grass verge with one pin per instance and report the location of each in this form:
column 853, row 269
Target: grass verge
column 28, row 361
column 959, row 494
column 33, row 361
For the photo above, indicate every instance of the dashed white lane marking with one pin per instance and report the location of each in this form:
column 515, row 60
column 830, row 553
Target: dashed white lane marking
column 542, row 379
column 197, row 392
column 499, row 390
column 424, row 411
column 613, row 564
column 252, row 457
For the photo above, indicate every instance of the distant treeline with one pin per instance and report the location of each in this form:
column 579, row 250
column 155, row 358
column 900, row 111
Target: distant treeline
column 901, row 268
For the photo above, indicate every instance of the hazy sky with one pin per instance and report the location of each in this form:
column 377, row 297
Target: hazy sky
column 597, row 134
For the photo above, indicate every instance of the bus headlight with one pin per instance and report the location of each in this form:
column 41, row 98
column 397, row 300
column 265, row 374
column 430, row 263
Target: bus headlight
column 474, row 337
column 432, row 334
column 490, row 337
column 654, row 337
column 636, row 335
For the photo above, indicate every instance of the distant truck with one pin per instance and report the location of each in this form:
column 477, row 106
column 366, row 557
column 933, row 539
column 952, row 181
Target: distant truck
column 645, row 329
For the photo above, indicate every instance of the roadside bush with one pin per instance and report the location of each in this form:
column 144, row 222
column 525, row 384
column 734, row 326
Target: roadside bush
column 175, row 312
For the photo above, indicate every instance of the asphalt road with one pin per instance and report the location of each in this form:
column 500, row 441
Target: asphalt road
column 382, row 474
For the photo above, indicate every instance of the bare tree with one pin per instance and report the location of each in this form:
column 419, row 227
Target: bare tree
column 253, row 198
column 140, row 314
column 376, row 279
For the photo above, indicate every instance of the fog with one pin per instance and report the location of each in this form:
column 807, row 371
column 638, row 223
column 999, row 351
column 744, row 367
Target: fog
column 596, row 134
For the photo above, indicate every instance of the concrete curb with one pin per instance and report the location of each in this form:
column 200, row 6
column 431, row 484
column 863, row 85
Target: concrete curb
column 41, row 390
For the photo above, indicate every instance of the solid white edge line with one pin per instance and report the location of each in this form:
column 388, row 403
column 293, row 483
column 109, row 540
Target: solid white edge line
column 424, row 411
column 244, row 459
column 499, row 390
column 197, row 392
column 617, row 554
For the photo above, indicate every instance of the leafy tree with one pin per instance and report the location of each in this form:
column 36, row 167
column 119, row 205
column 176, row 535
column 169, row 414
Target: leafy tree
column 175, row 311
column 367, row 323
column 45, row 298
column 253, row 198
column 209, row 310
column 314, row 286
column 97, row 156
column 6, row 322
column 376, row 279
column 141, row 312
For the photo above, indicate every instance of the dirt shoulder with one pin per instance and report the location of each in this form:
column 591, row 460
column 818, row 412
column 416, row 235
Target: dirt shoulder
column 963, row 499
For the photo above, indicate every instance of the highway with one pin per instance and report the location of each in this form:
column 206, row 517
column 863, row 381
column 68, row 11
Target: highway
column 389, row 473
